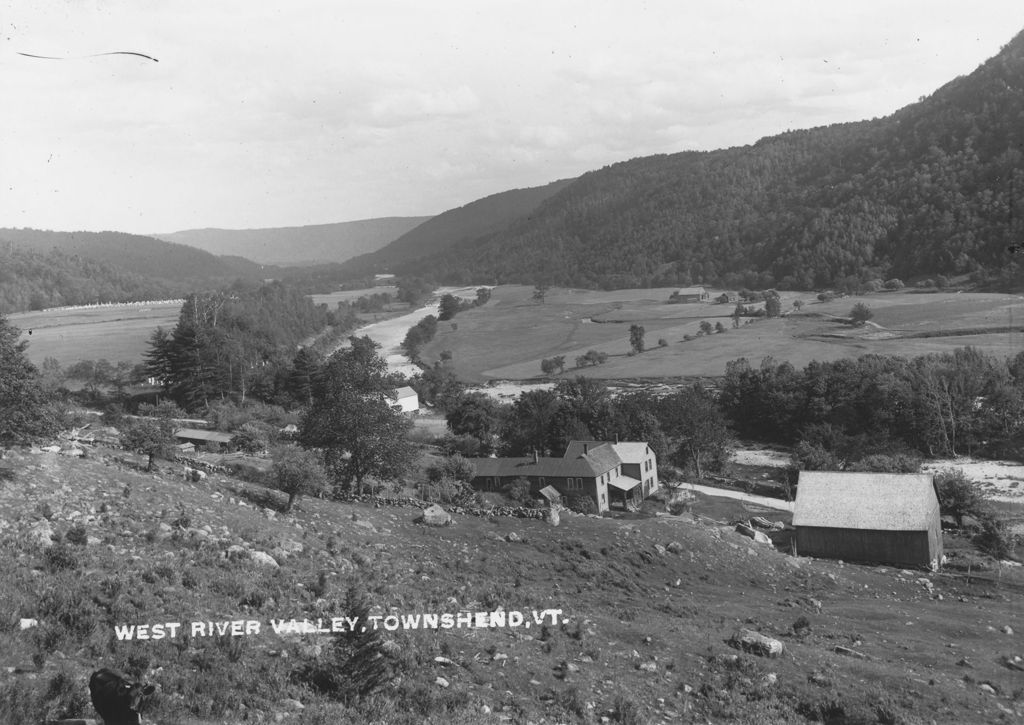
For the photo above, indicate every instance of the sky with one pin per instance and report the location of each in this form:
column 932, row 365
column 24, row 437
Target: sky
column 258, row 114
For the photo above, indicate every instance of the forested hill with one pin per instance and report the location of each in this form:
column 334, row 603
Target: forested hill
column 474, row 221
column 313, row 244
column 40, row 269
column 924, row 191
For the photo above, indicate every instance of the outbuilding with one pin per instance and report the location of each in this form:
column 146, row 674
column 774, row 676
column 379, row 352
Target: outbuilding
column 890, row 518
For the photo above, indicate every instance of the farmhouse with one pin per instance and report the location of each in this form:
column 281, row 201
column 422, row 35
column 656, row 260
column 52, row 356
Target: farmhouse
column 406, row 400
column 612, row 474
column 890, row 518
column 209, row 438
column 689, row 294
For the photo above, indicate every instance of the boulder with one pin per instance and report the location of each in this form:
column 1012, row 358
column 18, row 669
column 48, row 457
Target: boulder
column 434, row 516
column 754, row 534
column 41, row 534
column 264, row 559
column 553, row 517
column 756, row 643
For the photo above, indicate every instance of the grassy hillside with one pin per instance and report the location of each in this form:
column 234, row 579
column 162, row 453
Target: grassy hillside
column 648, row 604
column 311, row 244
column 928, row 190
column 466, row 224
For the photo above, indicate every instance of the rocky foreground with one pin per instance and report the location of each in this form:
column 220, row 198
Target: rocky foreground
column 659, row 619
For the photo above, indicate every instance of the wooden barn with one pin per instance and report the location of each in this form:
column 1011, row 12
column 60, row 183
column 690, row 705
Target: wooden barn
column 890, row 518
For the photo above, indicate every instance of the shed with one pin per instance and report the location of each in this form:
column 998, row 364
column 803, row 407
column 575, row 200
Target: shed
column 203, row 437
column 406, row 399
column 890, row 518
column 551, row 495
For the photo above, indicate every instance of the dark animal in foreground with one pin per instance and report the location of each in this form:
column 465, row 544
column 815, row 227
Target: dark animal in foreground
column 116, row 698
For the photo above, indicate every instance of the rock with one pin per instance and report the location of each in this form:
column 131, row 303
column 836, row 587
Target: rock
column 26, row 623
column 443, row 661
column 40, row 534
column 755, row 643
column 552, row 517
column 675, row 547
column 434, row 515
column 513, row 537
column 1007, row 629
column 292, row 704
column 985, row 687
column 647, row 667
column 264, row 559
column 660, row 549
column 441, row 682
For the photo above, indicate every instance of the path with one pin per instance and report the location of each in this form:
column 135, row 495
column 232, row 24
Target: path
column 766, row 501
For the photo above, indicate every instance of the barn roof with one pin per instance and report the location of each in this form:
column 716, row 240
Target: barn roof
column 873, row 501
column 690, row 291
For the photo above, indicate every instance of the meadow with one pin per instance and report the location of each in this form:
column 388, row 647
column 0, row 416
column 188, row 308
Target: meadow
column 508, row 337
column 116, row 333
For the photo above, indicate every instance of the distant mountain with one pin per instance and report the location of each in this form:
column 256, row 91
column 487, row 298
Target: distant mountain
column 464, row 225
column 314, row 244
column 928, row 190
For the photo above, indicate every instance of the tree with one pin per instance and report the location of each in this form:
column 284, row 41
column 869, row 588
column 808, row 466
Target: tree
column 529, row 425
column 540, row 292
column 959, row 496
column 296, row 472
column 483, row 296
column 251, row 438
column 719, row 328
column 636, row 338
column 772, row 305
column 454, row 468
column 797, row 304
column 448, row 307
column 695, row 427
column 553, row 364
column 860, row 313
column 150, row 437
column 477, row 415
column 518, row 489
column 352, row 420
column 705, row 327
column 27, row 411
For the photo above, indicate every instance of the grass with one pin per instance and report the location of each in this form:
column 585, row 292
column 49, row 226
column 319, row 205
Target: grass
column 625, row 605
column 508, row 338
column 115, row 333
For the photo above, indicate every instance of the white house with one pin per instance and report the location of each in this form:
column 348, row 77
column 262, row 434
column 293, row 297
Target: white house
column 406, row 400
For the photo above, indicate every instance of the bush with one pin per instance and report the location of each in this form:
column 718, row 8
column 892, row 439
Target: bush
column 662, row 342
column 582, row 504
column 994, row 538
column 518, row 489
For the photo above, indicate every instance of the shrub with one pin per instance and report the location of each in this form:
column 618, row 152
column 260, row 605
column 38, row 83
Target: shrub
column 582, row 504
column 959, row 496
column 994, row 538
column 77, row 535
column 662, row 342
column 518, row 489
column 60, row 557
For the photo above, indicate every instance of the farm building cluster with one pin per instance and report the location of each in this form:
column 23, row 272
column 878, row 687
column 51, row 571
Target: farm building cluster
column 611, row 473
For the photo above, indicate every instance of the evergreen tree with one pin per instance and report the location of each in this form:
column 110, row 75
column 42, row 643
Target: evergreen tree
column 27, row 411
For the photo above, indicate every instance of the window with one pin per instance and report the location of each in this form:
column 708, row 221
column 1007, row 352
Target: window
column 603, row 500
column 574, row 484
column 542, row 481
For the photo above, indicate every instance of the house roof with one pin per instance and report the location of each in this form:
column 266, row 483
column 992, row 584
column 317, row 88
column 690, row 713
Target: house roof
column 873, row 501
column 202, row 435
column 627, row 451
column 690, row 291
column 405, row 392
column 632, row 451
column 598, row 461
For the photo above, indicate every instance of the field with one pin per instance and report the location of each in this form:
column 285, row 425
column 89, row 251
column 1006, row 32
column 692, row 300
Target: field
column 333, row 298
column 507, row 338
column 648, row 603
column 117, row 333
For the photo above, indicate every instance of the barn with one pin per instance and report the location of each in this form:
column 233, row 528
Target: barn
column 689, row 294
column 890, row 518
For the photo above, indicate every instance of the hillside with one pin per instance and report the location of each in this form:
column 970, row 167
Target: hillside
column 647, row 606
column 313, row 244
column 464, row 225
column 927, row 190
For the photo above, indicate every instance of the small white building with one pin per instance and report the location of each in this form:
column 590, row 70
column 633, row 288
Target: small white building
column 406, row 400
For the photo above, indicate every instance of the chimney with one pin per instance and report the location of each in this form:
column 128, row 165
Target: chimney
column 535, row 457
column 616, row 437
column 586, row 447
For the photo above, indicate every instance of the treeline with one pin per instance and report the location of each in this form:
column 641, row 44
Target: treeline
column 964, row 402
column 928, row 190
column 36, row 281
column 235, row 345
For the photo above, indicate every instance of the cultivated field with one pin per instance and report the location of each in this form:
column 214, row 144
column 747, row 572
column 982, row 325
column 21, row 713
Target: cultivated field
column 508, row 337
column 333, row 298
column 116, row 333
